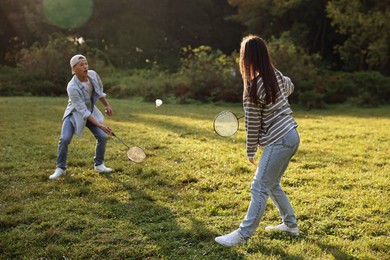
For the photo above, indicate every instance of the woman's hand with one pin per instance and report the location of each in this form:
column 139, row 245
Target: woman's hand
column 252, row 161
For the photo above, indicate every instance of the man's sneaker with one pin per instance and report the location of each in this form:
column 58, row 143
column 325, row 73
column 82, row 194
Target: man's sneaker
column 57, row 173
column 232, row 239
column 102, row 168
column 284, row 228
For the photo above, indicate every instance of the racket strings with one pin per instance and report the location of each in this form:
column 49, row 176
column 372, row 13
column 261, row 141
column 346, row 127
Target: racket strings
column 226, row 124
column 136, row 154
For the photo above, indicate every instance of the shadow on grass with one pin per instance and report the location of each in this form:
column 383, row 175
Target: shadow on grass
column 275, row 250
column 343, row 110
column 335, row 251
column 187, row 131
column 162, row 233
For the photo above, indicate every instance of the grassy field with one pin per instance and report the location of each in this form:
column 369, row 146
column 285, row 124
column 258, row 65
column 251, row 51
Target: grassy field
column 193, row 186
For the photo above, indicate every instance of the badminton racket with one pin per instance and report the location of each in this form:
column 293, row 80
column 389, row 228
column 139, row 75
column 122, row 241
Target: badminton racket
column 226, row 123
column 134, row 153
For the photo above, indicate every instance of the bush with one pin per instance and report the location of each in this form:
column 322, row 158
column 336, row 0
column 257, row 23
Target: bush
column 11, row 81
column 205, row 75
column 208, row 75
column 371, row 88
column 148, row 84
column 48, row 65
column 302, row 68
column 339, row 87
column 365, row 88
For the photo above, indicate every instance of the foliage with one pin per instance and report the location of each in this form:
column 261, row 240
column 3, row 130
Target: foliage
column 352, row 35
column 133, row 34
column 372, row 88
column 13, row 81
column 309, row 30
column 48, row 69
column 302, row 68
column 193, row 186
column 208, row 75
column 365, row 88
column 204, row 75
column 316, row 86
column 348, row 35
column 147, row 84
column 366, row 25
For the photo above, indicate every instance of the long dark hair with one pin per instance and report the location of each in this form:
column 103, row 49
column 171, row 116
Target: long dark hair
column 255, row 62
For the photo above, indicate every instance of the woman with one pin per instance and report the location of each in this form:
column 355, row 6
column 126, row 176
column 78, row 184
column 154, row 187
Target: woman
column 84, row 89
column 269, row 123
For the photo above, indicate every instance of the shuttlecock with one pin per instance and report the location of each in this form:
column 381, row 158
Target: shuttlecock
column 158, row 102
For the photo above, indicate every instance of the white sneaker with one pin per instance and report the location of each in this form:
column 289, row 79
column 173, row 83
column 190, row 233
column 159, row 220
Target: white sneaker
column 284, row 228
column 232, row 239
column 57, row 173
column 102, row 168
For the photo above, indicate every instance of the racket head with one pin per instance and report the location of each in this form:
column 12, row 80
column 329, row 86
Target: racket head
column 226, row 123
column 136, row 154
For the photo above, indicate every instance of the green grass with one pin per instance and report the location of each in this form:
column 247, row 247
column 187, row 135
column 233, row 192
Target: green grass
column 193, row 186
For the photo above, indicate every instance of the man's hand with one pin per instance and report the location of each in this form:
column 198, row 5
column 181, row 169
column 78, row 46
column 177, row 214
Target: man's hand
column 108, row 111
column 106, row 129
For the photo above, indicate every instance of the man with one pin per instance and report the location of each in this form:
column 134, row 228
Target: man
column 84, row 89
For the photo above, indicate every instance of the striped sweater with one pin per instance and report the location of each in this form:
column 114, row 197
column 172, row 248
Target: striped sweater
column 267, row 123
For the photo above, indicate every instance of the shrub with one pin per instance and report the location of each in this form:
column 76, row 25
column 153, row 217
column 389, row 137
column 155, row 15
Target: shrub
column 48, row 65
column 365, row 88
column 371, row 88
column 301, row 67
column 11, row 81
column 148, row 84
column 208, row 75
column 316, row 86
column 339, row 87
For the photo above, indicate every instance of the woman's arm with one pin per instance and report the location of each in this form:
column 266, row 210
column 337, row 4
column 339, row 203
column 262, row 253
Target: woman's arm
column 252, row 126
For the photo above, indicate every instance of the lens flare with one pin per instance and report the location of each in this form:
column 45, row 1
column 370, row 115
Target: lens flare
column 67, row 14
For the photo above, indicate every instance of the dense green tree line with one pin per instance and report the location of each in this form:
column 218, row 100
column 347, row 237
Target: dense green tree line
column 334, row 50
column 348, row 34
column 130, row 32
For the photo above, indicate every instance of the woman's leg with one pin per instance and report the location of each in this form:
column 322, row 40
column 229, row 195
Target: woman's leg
column 272, row 165
column 278, row 196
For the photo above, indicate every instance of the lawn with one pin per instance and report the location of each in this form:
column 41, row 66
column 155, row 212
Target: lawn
column 193, row 186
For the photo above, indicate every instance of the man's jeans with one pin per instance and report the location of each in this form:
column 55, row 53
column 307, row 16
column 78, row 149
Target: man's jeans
column 272, row 165
column 66, row 137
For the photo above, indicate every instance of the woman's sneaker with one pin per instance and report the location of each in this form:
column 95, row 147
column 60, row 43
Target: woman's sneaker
column 284, row 228
column 57, row 173
column 232, row 239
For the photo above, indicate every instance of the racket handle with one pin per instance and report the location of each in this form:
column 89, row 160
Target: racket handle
column 119, row 139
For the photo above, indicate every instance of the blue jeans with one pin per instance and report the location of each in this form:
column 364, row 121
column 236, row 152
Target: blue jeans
column 266, row 183
column 66, row 137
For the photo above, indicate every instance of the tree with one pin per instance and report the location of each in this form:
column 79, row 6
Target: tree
column 366, row 25
column 305, row 20
column 136, row 33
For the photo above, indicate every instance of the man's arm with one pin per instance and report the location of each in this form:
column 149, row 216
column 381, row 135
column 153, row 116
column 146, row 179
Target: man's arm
column 107, row 106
